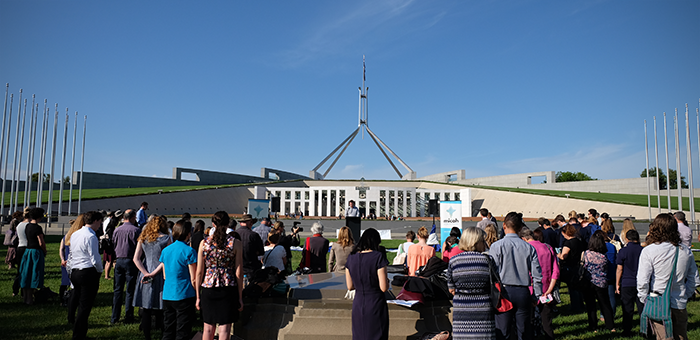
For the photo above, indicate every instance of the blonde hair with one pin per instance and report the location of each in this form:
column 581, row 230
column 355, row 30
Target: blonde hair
column 345, row 237
column 278, row 226
column 627, row 225
column 607, row 226
column 592, row 219
column 491, row 234
column 471, row 237
column 423, row 233
column 573, row 214
column 157, row 225
column 77, row 224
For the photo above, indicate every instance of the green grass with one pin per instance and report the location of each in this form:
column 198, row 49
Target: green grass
column 48, row 321
column 604, row 197
column 90, row 194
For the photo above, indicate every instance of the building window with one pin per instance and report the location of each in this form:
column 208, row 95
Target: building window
column 297, row 195
column 287, row 195
column 306, row 195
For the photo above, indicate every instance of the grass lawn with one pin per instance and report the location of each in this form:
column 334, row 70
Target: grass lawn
column 605, row 197
column 48, row 321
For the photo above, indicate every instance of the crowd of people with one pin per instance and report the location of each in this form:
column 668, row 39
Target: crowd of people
column 172, row 269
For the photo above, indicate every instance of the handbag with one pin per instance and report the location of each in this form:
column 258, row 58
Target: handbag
column 658, row 308
column 583, row 274
column 407, row 295
column 498, row 301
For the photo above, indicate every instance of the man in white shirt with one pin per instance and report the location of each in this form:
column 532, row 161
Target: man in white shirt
column 352, row 210
column 654, row 273
column 684, row 229
column 86, row 267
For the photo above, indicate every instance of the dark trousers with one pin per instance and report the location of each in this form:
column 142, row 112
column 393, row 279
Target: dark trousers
column 521, row 314
column 147, row 319
column 86, row 282
column 591, row 293
column 18, row 264
column 546, row 314
column 629, row 298
column 125, row 273
column 178, row 318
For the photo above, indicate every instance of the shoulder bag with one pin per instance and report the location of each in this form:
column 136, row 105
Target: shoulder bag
column 498, row 301
column 658, row 307
column 555, row 293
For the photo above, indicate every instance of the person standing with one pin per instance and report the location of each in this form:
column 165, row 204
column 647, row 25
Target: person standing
column 252, row 244
column 125, row 239
column 179, row 263
column 550, row 275
column 21, row 247
column 485, row 220
column 32, row 267
column 263, row 229
column 684, row 229
column 654, row 272
column 313, row 256
column 352, row 210
column 341, row 250
column 86, row 268
column 517, row 263
column 595, row 286
column 141, row 216
column 570, row 257
column 220, row 276
column 149, row 288
column 469, row 280
column 366, row 274
column 626, row 279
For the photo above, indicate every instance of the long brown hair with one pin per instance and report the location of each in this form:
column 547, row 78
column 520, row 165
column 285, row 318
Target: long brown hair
column 221, row 221
column 345, row 237
column 157, row 225
column 77, row 224
column 607, row 226
column 664, row 229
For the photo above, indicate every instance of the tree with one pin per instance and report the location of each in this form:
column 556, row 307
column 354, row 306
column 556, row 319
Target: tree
column 672, row 174
column 35, row 178
column 568, row 176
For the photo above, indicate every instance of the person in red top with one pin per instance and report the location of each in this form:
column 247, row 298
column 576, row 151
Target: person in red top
column 550, row 274
column 450, row 248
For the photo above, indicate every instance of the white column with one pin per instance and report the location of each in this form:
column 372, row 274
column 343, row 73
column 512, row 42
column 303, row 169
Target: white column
column 337, row 201
column 396, row 203
column 312, row 198
column 328, row 202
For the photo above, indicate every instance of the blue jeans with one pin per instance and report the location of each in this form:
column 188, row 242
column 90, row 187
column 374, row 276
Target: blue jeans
column 125, row 273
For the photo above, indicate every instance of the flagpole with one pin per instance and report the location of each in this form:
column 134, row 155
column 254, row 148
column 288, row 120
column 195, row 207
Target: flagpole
column 30, row 153
column 21, row 151
column 52, row 166
column 678, row 164
column 72, row 165
column 691, row 197
column 63, row 164
column 668, row 171
column 82, row 164
column 646, row 153
column 658, row 171
column 7, row 143
column 42, row 154
column 14, row 157
column 2, row 145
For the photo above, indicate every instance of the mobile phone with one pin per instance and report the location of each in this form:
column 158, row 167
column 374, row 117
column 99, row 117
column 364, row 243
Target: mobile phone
column 147, row 280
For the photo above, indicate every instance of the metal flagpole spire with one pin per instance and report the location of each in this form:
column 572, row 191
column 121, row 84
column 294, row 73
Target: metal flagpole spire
column 30, row 154
column 21, row 151
column 7, row 143
column 63, row 164
column 668, row 172
column 678, row 164
column 72, row 164
column 14, row 157
column 82, row 164
column 691, row 197
column 362, row 125
column 646, row 153
column 42, row 154
column 2, row 147
column 53, row 165
column 658, row 171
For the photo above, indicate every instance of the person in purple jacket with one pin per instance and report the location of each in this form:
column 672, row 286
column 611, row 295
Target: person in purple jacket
column 626, row 282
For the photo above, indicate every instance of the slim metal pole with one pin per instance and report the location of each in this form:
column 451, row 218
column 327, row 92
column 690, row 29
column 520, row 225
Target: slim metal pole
column 668, row 172
column 646, row 153
column 82, row 164
column 72, row 165
column 678, row 163
column 658, row 171
column 30, row 154
column 21, row 151
column 14, row 157
column 63, row 164
column 42, row 155
column 7, row 142
column 691, row 197
column 2, row 148
column 53, row 165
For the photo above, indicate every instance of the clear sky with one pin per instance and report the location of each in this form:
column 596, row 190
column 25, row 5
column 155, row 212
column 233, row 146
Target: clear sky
column 493, row 87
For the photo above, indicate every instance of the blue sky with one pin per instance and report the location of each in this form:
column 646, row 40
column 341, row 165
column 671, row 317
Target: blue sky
column 493, row 87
